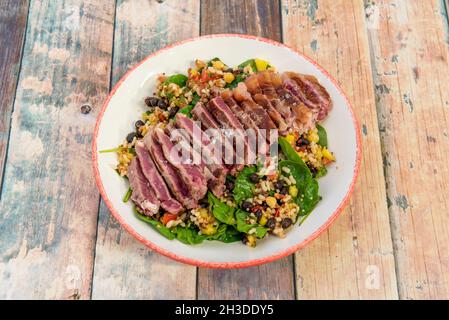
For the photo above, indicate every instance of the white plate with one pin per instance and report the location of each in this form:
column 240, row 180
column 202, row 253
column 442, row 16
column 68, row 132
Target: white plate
column 125, row 105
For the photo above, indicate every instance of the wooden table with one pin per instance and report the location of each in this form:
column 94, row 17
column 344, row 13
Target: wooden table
column 57, row 238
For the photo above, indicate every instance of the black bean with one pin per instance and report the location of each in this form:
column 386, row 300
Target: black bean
column 152, row 101
column 130, row 137
column 284, row 190
column 85, row 109
column 313, row 170
column 286, row 222
column 161, row 104
column 173, row 111
column 254, row 178
column 230, row 70
column 302, row 142
column 138, row 124
column 229, row 185
column 271, row 223
column 244, row 239
column 258, row 214
column 204, row 205
column 246, row 205
column 279, row 184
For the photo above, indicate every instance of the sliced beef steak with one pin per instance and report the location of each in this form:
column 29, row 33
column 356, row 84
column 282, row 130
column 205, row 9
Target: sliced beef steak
column 141, row 195
column 171, row 177
column 266, row 84
column 214, row 130
column 310, row 92
column 155, row 180
column 256, row 112
column 248, row 123
column 191, row 175
column 228, row 120
column 215, row 183
column 203, row 145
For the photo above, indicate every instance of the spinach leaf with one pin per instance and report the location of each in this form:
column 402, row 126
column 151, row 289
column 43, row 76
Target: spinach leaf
column 307, row 186
column 322, row 136
column 250, row 62
column 188, row 235
column 186, row 110
column 321, row 172
column 221, row 211
column 243, row 226
column 159, row 227
column 243, row 188
column 226, row 234
column 289, row 152
column 178, row 79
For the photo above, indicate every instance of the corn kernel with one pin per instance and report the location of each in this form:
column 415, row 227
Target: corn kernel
column 203, row 213
column 271, row 201
column 293, row 191
column 208, row 230
column 218, row 65
column 261, row 65
column 263, row 221
column 290, row 138
column 194, row 72
column 327, row 154
column 313, row 136
column 251, row 240
column 228, row 77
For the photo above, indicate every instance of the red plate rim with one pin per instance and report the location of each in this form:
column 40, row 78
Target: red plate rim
column 225, row 265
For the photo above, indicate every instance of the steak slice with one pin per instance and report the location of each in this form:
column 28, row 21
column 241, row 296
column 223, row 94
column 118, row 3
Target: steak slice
column 256, row 112
column 274, row 114
column 141, row 195
column 247, row 122
column 200, row 113
column 311, row 93
column 155, row 180
column 204, row 146
column 267, row 87
column 171, row 177
column 191, row 175
column 215, row 183
column 228, row 120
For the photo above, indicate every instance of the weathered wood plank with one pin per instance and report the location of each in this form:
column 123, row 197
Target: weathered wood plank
column 124, row 268
column 257, row 17
column 409, row 42
column 13, row 17
column 354, row 259
column 274, row 280
column 48, row 209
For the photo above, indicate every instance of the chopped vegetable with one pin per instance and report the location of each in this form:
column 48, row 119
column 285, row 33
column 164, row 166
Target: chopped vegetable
column 261, row 65
column 127, row 195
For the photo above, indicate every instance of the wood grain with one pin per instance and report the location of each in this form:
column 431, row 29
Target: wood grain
column 124, row 268
column 354, row 258
column 256, row 17
column 13, row 17
column 409, row 41
column 274, row 280
column 49, row 203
